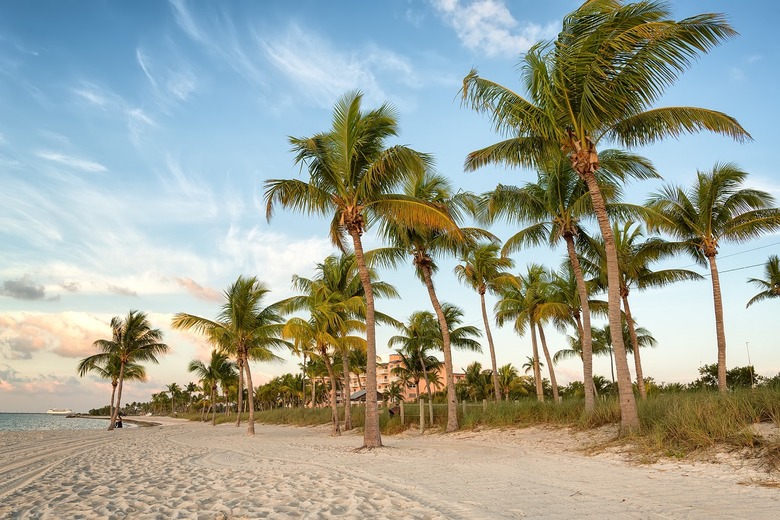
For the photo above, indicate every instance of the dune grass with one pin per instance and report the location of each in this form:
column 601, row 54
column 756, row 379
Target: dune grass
column 672, row 424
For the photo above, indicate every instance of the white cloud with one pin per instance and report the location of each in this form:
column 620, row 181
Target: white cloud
column 488, row 26
column 72, row 162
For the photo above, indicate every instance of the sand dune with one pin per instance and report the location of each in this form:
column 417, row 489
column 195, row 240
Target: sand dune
column 192, row 470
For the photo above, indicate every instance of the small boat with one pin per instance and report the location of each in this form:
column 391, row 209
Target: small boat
column 59, row 411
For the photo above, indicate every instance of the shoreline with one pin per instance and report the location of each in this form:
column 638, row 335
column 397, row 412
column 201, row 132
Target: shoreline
column 194, row 470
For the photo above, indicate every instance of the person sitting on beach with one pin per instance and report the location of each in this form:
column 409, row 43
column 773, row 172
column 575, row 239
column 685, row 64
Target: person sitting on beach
column 118, row 421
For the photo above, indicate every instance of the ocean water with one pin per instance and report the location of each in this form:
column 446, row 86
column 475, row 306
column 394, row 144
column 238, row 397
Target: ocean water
column 44, row 421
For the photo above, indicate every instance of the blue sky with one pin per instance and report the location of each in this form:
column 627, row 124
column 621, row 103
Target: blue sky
column 135, row 137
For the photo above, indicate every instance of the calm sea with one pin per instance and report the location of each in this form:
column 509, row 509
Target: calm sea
column 44, row 421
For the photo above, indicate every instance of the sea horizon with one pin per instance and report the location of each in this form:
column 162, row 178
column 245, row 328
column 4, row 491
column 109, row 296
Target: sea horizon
column 36, row 421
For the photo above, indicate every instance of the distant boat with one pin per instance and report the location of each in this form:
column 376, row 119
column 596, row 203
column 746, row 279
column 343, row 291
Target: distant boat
column 59, row 411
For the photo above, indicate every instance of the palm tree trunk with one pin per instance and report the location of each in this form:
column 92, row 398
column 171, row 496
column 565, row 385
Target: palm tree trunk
column 346, row 392
column 214, row 405
column 334, row 406
column 428, row 386
column 553, row 381
column 640, row 378
column 118, row 395
column 496, row 385
column 586, row 337
column 719, row 329
column 629, row 418
column 303, row 378
column 537, row 371
column 113, row 395
column 250, row 397
column 372, row 437
column 452, row 403
column 240, row 397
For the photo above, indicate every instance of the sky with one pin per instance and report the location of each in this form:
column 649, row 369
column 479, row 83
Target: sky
column 135, row 138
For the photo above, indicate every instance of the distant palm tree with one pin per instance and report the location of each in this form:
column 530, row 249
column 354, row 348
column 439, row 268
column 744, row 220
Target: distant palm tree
column 394, row 392
column 417, row 338
column 109, row 368
column 484, row 270
column 219, row 369
column 716, row 209
column 243, row 328
column 770, row 285
column 354, row 178
column 175, row 390
column 635, row 257
column 598, row 80
column 507, row 377
column 133, row 340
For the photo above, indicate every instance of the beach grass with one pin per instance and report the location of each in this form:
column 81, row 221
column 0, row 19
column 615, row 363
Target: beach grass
column 674, row 424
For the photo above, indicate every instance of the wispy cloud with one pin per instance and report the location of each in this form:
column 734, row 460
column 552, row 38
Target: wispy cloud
column 323, row 73
column 169, row 84
column 488, row 26
column 218, row 35
column 198, row 291
column 72, row 162
column 68, row 334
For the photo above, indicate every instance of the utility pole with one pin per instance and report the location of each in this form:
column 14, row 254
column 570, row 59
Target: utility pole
column 750, row 365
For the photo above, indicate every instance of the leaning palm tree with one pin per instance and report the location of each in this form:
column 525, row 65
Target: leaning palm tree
column 133, row 340
column 635, row 257
column 219, row 368
column 109, row 368
column 715, row 210
column 243, row 328
column 425, row 244
column 354, row 178
column 597, row 83
column 484, row 270
column 770, row 286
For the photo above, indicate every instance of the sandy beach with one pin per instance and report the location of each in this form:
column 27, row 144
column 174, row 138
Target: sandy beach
column 191, row 470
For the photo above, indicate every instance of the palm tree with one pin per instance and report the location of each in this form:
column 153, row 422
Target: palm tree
column 770, row 285
column 424, row 244
column 335, row 299
column 394, row 392
column 598, row 81
column 552, row 209
column 219, row 369
column 482, row 270
column 243, row 328
column 507, row 376
column 353, row 177
column 109, row 368
column 716, row 209
column 133, row 340
column 175, row 390
column 634, row 259
column 479, row 382
column 189, row 392
column 418, row 336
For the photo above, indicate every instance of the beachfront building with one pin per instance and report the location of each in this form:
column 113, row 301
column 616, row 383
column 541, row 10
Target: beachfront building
column 385, row 376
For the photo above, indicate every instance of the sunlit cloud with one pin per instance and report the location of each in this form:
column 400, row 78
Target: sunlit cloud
column 72, row 162
column 198, row 291
column 488, row 26
column 68, row 334
column 121, row 291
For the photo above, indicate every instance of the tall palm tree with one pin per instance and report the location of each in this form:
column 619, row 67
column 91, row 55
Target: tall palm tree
column 109, row 368
column 552, row 208
column 484, row 270
column 425, row 244
column 133, row 340
column 354, row 178
column 715, row 210
column 635, row 257
column 243, row 328
column 175, row 390
column 219, row 368
column 770, row 286
column 598, row 82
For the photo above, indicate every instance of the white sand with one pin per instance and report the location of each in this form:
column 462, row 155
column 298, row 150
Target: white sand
column 192, row 470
